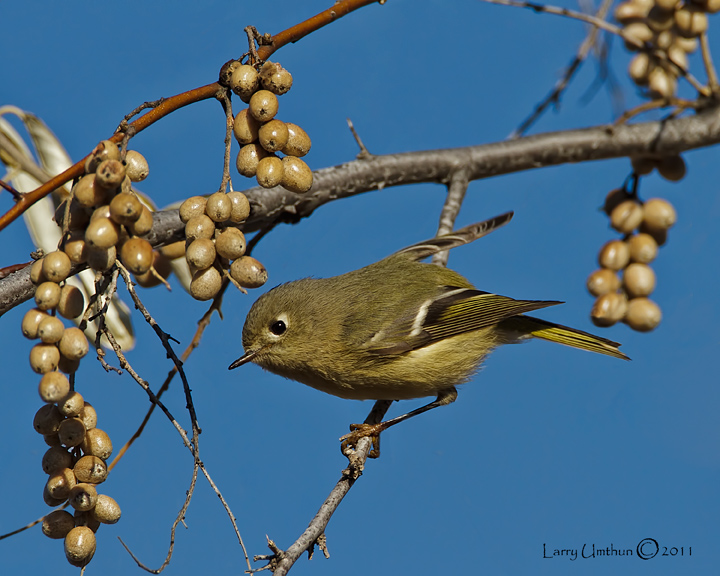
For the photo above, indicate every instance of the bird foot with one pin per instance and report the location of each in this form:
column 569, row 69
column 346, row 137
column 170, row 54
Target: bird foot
column 348, row 443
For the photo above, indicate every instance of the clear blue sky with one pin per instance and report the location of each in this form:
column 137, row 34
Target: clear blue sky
column 548, row 446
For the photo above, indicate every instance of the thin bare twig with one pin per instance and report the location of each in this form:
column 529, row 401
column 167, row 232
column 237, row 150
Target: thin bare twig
column 553, row 98
column 226, row 102
column 15, row 194
column 364, row 153
column 708, row 63
column 281, row 561
column 451, row 208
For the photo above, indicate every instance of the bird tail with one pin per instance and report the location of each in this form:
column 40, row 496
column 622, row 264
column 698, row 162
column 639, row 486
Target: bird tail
column 544, row 330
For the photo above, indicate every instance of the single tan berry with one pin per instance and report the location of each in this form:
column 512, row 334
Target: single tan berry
column 244, row 81
column 101, row 259
column 88, row 415
column 643, row 315
column 60, row 483
column 161, row 266
column 87, row 194
column 273, row 135
column 47, row 295
column 37, row 276
column 136, row 167
column 106, row 510
column 269, row 172
column 614, row 255
column 56, row 266
column 47, row 420
column 678, row 56
column 609, row 309
column 639, row 32
column 109, row 174
column 57, row 524
column 83, row 496
column 56, row 458
column 142, row 225
column 80, row 546
column 105, row 150
column 245, row 127
column 240, row 206
column 86, row 519
column 639, row 69
column 68, row 366
column 78, row 216
column 642, row 165
column 603, row 281
column 275, row 78
column 297, row 176
column 102, row 233
column 263, row 105
column 31, row 322
column 659, row 19
column 125, row 208
column 72, row 302
column 50, row 330
column 200, row 253
column 75, row 247
column 174, row 250
column 248, row 272
column 626, row 216
column 137, row 255
column 643, row 248
column 73, row 344
column 659, row 214
column 50, row 501
column 53, row 387
column 44, row 358
column 51, row 439
column 97, row 443
column 638, row 280
column 711, row 6
column 71, row 432
column 71, row 405
column 218, row 207
column 661, row 84
column 100, row 212
column 205, row 284
column 199, row 227
column 672, row 168
column 629, row 11
column 191, row 207
column 90, row 469
column 230, row 243
column 298, row 143
column 248, row 159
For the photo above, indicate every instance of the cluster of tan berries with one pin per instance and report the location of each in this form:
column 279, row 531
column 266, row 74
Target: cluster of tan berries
column 75, row 461
column 670, row 27
column 261, row 135
column 212, row 243
column 106, row 219
column 645, row 226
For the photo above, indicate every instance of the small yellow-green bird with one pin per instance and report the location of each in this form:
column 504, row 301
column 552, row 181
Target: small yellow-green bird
column 396, row 329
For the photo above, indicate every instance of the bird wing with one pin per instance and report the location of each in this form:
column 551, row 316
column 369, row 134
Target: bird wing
column 457, row 238
column 455, row 311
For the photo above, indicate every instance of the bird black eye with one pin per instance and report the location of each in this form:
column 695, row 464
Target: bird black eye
column 278, row 328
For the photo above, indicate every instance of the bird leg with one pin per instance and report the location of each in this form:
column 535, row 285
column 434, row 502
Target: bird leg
column 358, row 431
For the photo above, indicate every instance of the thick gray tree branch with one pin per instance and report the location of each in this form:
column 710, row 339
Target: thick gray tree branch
column 274, row 205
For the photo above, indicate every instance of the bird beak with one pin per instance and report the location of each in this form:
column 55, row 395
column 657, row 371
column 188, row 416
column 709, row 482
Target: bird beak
column 245, row 358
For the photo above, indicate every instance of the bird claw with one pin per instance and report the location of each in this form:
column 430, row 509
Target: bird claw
column 348, row 443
